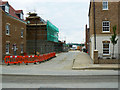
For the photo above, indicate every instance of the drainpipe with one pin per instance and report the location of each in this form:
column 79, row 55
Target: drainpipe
column 94, row 25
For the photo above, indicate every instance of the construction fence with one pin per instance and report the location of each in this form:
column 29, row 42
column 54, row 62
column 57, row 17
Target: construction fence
column 28, row 59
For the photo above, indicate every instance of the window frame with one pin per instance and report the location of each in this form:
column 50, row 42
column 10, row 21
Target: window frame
column 103, row 5
column 103, row 48
column 7, row 8
column 22, row 33
column 21, row 16
column 8, row 48
column 105, row 26
column 22, row 48
column 8, row 29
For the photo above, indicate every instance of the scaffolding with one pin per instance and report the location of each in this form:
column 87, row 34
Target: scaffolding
column 52, row 32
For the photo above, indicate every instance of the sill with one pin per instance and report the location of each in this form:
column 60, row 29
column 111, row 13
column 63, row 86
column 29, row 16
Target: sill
column 105, row 32
column 7, row 53
column 105, row 9
column 22, row 37
column 106, row 55
column 7, row 34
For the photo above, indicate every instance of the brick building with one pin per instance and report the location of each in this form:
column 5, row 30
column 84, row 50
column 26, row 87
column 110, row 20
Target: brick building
column 13, row 30
column 42, row 36
column 102, row 17
column 0, row 35
column 87, row 33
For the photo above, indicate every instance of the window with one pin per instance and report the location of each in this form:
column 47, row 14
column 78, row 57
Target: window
column 7, row 29
column 7, row 8
column 22, row 33
column 106, row 26
column 106, row 49
column 105, row 4
column 21, row 16
column 7, row 48
column 21, row 48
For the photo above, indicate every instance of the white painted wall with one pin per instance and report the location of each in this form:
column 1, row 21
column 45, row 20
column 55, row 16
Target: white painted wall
column 92, row 47
column 99, row 44
column 119, row 45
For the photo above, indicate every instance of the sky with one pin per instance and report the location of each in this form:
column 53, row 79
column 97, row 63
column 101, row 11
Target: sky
column 70, row 16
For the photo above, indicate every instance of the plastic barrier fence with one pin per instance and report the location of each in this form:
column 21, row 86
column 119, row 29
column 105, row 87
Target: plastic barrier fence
column 28, row 59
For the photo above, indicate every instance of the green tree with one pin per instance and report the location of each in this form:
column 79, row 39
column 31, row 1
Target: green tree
column 114, row 38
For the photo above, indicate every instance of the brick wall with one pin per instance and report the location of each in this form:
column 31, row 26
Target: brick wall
column 108, row 61
column 87, row 38
column 102, row 15
column 41, row 32
column 15, row 34
column 86, row 32
column 111, row 15
column 91, row 19
column 0, row 35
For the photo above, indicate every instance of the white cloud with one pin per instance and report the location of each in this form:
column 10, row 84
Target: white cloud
column 58, row 0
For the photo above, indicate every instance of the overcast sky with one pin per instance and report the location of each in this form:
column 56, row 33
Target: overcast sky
column 70, row 16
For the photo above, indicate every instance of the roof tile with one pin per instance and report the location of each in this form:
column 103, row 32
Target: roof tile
column 12, row 11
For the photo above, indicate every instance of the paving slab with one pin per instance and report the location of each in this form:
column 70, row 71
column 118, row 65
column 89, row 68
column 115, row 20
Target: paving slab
column 83, row 62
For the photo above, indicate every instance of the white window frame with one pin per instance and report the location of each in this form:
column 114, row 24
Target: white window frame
column 22, row 33
column 7, row 48
column 105, row 26
column 7, row 8
column 21, row 16
column 22, row 48
column 109, row 49
column 103, row 5
column 8, row 29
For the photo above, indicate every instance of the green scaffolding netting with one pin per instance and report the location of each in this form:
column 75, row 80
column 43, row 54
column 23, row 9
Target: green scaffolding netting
column 52, row 32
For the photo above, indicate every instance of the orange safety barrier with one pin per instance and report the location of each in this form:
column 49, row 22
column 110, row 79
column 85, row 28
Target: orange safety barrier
column 28, row 59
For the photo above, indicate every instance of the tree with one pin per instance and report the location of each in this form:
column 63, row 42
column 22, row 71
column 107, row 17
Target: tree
column 114, row 39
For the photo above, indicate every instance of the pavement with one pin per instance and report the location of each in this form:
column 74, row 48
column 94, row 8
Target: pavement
column 84, row 62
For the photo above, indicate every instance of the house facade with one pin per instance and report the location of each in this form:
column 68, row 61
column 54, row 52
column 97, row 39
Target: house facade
column 0, row 36
column 103, row 16
column 13, row 30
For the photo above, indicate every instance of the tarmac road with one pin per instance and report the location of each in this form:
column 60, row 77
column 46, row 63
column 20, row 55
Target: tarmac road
column 57, row 73
column 59, row 81
column 63, row 61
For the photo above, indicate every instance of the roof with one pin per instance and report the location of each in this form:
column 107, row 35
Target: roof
column 12, row 11
column 19, row 11
column 34, row 17
column 4, row 2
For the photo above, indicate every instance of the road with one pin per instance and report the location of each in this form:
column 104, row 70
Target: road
column 63, row 61
column 57, row 73
column 59, row 81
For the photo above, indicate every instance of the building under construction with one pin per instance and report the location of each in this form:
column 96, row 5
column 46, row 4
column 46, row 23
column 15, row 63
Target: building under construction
column 42, row 36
